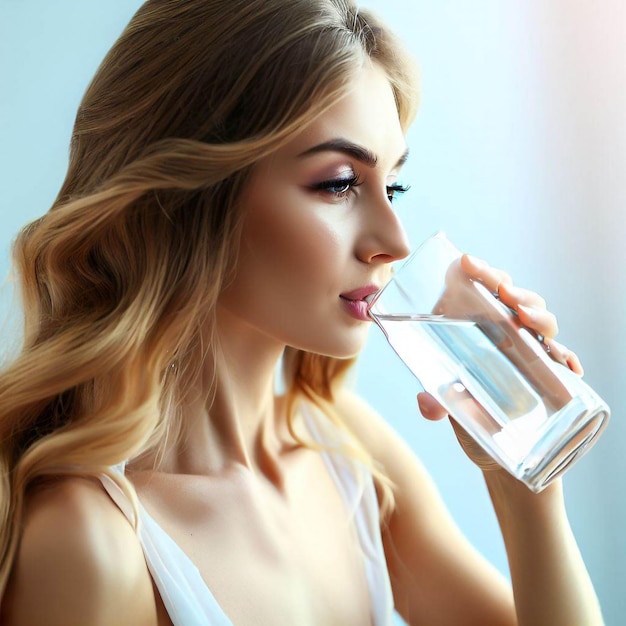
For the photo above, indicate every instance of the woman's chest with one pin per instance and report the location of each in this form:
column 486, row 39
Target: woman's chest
column 267, row 557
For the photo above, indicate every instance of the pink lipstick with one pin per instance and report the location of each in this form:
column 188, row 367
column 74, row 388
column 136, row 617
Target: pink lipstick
column 355, row 302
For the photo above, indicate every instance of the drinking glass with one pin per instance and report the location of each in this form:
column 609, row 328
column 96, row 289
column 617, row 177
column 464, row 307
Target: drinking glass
column 530, row 413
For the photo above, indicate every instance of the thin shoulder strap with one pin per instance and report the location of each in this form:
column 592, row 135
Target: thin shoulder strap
column 355, row 483
column 188, row 600
column 117, row 495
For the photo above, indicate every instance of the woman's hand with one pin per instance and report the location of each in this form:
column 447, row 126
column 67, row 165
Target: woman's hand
column 532, row 313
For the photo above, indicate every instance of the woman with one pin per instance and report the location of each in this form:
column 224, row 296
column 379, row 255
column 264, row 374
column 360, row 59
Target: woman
column 229, row 203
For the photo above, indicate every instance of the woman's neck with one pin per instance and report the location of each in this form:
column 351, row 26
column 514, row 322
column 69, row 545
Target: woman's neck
column 232, row 414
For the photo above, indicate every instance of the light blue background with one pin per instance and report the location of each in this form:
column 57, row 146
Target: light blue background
column 519, row 153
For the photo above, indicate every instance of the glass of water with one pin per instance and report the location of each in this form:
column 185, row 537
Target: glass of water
column 530, row 413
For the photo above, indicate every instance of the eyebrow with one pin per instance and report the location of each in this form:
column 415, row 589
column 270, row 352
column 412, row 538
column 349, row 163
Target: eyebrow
column 351, row 149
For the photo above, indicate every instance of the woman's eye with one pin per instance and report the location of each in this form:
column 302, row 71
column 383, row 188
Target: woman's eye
column 338, row 186
column 395, row 190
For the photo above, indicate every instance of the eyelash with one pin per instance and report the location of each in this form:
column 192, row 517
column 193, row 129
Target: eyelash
column 346, row 184
column 396, row 188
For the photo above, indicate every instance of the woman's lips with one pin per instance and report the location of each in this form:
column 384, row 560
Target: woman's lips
column 356, row 308
column 356, row 304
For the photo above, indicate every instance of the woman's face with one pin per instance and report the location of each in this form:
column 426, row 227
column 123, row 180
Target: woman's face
column 320, row 230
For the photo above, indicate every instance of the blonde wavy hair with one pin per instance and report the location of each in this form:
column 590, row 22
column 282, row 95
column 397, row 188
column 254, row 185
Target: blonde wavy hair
column 119, row 276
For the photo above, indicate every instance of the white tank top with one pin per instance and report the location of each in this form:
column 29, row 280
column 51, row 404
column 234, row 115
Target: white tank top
column 187, row 598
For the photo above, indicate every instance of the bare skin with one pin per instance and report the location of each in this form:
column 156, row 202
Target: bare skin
column 260, row 514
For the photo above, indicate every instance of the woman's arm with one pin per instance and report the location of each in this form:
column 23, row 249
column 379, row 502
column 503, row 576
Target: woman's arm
column 439, row 578
column 550, row 581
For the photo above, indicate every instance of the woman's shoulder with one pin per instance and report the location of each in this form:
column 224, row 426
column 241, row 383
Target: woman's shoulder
column 79, row 561
column 379, row 438
column 386, row 447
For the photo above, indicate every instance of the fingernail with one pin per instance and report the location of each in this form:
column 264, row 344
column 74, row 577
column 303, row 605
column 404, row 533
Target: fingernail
column 527, row 310
column 558, row 354
column 476, row 261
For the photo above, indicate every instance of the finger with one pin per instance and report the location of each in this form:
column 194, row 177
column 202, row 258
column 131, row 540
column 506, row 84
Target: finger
column 573, row 362
column 480, row 270
column 514, row 296
column 539, row 320
column 565, row 356
column 429, row 407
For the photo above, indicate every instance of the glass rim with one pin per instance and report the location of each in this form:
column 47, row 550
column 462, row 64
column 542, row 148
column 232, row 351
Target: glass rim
column 437, row 235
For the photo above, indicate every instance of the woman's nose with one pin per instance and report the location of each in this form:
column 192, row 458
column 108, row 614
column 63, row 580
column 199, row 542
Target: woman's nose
column 383, row 237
